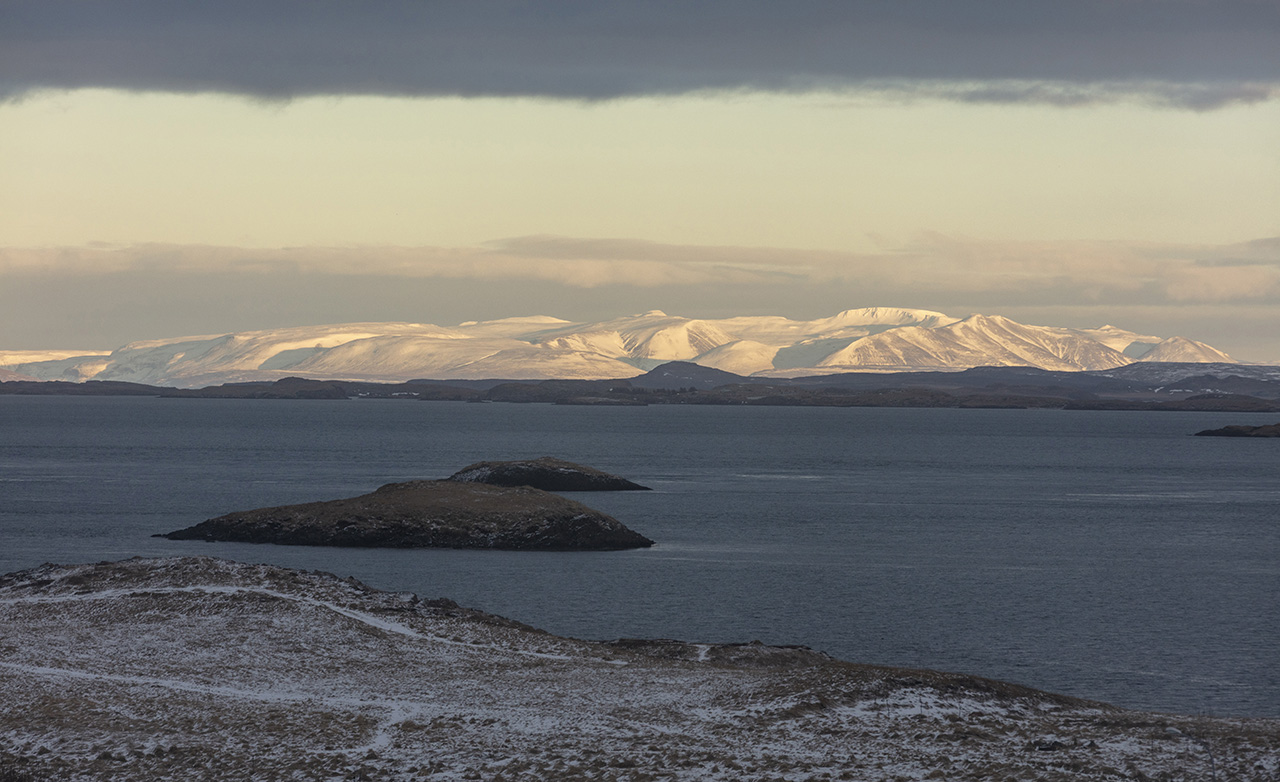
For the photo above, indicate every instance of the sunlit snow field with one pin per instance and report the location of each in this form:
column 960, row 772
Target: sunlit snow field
column 1104, row 555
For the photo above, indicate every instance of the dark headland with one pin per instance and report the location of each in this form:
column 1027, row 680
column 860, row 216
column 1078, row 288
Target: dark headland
column 546, row 473
column 1267, row 430
column 428, row 514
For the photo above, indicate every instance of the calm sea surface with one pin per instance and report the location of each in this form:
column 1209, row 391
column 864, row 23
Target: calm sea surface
column 1103, row 555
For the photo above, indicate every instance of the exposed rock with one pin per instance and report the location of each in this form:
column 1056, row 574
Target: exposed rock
column 1268, row 430
column 546, row 473
column 428, row 514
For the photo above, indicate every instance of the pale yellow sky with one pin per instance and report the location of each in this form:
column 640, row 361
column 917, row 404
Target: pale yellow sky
column 210, row 213
column 809, row 171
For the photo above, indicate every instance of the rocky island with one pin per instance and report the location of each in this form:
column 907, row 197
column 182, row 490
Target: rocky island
column 428, row 514
column 1268, row 430
column 198, row 668
column 546, row 473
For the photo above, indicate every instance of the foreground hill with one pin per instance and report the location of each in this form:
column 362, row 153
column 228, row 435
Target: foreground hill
column 195, row 668
column 536, row 348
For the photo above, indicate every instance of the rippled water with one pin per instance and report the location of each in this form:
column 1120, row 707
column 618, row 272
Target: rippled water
column 1104, row 555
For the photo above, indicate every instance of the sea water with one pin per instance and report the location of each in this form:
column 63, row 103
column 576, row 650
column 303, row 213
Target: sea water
column 1106, row 555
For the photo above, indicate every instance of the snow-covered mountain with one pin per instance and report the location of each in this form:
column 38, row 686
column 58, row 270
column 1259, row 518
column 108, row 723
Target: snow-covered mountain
column 872, row 339
column 1183, row 350
column 8, row 375
column 978, row 340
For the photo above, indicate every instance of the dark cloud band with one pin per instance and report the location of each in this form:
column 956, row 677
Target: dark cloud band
column 1194, row 53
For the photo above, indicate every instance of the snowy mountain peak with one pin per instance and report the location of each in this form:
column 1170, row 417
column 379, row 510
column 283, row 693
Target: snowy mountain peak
column 989, row 321
column 881, row 314
column 890, row 316
column 1181, row 349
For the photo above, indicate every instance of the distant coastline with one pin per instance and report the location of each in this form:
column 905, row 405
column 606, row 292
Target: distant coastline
column 1152, row 386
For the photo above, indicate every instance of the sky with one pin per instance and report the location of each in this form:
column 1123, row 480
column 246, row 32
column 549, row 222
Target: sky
column 173, row 168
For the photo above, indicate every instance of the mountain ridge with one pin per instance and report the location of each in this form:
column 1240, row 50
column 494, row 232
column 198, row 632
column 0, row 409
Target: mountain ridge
column 874, row 339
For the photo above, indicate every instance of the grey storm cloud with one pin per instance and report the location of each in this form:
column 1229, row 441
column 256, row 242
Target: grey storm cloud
column 1196, row 54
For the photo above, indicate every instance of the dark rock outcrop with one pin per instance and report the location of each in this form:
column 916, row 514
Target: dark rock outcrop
column 546, row 473
column 428, row 514
column 1268, row 430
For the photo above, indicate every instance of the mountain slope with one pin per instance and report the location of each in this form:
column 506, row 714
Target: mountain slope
column 847, row 325
column 978, row 340
column 1130, row 343
column 741, row 357
column 654, row 335
column 1183, row 350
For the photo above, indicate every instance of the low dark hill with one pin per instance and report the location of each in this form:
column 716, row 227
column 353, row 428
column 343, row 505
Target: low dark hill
column 546, row 473
column 428, row 514
column 1268, row 430
column 306, row 388
column 683, row 374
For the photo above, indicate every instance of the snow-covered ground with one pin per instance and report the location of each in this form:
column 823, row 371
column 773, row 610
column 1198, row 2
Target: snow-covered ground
column 195, row 668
